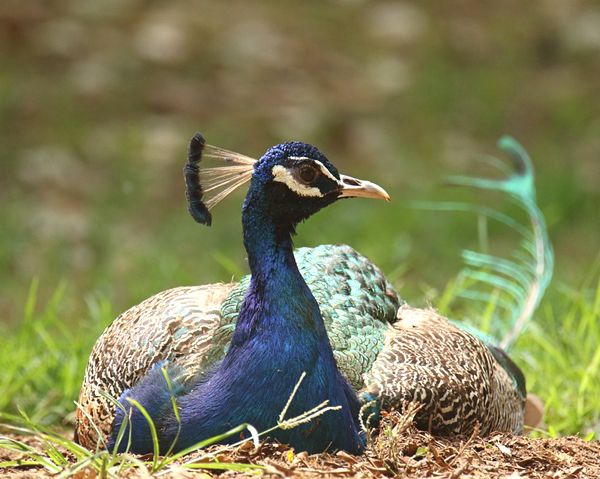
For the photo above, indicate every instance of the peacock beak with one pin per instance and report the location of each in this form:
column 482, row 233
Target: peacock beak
column 353, row 187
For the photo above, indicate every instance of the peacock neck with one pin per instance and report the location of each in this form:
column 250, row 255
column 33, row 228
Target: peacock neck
column 277, row 297
column 270, row 250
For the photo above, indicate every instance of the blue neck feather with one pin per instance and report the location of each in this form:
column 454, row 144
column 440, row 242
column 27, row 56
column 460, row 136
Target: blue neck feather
column 279, row 335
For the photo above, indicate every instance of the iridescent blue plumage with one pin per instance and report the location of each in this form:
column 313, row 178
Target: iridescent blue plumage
column 279, row 336
column 234, row 352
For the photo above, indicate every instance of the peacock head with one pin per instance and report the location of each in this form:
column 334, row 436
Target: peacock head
column 295, row 180
column 291, row 182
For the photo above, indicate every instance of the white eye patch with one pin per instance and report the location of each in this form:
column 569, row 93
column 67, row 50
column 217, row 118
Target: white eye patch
column 324, row 170
column 284, row 175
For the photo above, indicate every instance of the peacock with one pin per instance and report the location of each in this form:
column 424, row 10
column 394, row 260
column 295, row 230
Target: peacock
column 307, row 328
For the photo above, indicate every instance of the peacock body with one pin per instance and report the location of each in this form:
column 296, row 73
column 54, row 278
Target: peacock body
column 349, row 329
column 192, row 327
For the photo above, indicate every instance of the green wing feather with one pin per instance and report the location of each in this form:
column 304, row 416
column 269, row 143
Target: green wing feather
column 514, row 286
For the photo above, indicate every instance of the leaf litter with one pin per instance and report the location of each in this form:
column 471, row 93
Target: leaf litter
column 396, row 450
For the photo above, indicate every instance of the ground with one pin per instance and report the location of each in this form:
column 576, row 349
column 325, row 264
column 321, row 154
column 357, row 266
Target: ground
column 398, row 450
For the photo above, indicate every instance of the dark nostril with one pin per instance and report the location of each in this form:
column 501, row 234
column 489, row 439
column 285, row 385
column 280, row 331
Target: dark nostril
column 351, row 182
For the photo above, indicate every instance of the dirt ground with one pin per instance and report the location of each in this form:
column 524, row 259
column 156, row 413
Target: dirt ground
column 398, row 450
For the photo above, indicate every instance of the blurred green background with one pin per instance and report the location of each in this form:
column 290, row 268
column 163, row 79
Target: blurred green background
column 99, row 99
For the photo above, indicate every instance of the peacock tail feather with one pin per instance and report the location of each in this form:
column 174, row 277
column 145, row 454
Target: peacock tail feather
column 513, row 286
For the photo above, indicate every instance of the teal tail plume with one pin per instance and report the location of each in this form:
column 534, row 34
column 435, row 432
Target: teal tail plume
column 517, row 284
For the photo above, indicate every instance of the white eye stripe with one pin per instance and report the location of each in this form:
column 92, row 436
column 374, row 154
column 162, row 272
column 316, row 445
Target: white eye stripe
column 324, row 170
column 283, row 175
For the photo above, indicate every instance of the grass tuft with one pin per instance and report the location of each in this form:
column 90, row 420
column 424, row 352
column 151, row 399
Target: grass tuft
column 561, row 360
column 43, row 358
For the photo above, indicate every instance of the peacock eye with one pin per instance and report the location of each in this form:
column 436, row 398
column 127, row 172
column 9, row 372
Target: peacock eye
column 307, row 174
